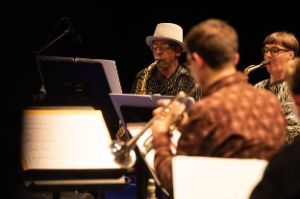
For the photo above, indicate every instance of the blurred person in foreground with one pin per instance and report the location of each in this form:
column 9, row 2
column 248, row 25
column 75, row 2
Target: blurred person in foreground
column 233, row 119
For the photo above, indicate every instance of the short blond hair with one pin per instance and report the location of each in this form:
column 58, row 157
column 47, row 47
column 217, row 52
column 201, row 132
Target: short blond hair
column 285, row 39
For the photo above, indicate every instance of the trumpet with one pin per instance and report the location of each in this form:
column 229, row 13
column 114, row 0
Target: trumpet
column 122, row 151
column 251, row 68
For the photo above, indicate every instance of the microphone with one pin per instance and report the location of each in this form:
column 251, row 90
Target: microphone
column 73, row 31
column 41, row 95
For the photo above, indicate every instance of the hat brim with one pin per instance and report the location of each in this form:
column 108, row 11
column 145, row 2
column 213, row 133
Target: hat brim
column 150, row 39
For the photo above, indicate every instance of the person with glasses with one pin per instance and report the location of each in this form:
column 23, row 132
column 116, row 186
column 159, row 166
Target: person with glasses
column 279, row 49
column 168, row 77
column 233, row 119
column 281, row 177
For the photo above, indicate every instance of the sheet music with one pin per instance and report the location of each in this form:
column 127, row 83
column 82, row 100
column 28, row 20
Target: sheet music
column 217, row 178
column 66, row 139
column 109, row 67
column 131, row 100
column 135, row 128
column 110, row 70
column 136, row 100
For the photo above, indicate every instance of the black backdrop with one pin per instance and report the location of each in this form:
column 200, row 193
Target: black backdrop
column 111, row 30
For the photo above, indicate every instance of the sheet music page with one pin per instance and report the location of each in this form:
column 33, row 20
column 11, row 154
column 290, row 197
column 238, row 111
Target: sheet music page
column 131, row 100
column 66, row 139
column 136, row 100
column 110, row 70
column 135, row 128
column 217, row 178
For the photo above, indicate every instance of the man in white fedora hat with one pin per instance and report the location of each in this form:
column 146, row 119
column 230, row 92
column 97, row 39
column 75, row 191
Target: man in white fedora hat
column 165, row 76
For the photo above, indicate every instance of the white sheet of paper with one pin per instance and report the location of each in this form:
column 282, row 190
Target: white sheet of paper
column 136, row 100
column 66, row 139
column 109, row 67
column 215, row 178
column 135, row 128
column 110, row 70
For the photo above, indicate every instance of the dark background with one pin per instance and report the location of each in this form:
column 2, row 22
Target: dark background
column 117, row 31
column 111, row 30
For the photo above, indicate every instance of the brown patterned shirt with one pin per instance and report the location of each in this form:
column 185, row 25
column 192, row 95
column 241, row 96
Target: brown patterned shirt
column 180, row 80
column 233, row 119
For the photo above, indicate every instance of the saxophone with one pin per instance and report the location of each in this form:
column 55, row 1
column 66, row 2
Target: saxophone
column 251, row 68
column 141, row 82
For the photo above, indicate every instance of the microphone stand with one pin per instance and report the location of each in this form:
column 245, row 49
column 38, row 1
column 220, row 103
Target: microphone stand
column 42, row 92
column 53, row 41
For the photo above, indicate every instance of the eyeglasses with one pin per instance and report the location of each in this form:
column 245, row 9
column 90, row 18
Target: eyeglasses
column 163, row 47
column 274, row 51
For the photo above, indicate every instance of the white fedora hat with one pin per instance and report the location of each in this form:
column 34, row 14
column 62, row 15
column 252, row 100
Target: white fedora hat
column 169, row 31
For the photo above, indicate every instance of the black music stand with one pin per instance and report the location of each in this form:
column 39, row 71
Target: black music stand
column 67, row 149
column 133, row 111
column 69, row 81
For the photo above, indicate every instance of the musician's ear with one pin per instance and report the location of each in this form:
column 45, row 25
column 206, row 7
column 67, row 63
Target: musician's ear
column 198, row 59
column 236, row 58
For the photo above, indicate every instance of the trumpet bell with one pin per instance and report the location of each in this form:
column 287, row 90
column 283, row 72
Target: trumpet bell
column 122, row 156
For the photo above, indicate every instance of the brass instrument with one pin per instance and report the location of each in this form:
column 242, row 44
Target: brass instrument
column 251, row 68
column 141, row 82
column 122, row 150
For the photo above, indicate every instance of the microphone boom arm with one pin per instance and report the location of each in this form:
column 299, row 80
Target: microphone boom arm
column 53, row 41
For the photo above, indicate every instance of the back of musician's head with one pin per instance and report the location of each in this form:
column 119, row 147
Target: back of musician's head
column 215, row 40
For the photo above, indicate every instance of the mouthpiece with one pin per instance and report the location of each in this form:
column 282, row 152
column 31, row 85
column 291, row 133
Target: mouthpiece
column 264, row 63
column 157, row 58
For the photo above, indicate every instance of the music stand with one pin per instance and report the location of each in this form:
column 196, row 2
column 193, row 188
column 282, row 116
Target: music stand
column 133, row 108
column 78, row 81
column 68, row 149
column 134, row 111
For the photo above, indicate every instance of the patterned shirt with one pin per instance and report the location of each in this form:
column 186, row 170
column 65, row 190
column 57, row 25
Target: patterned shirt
column 232, row 120
column 180, row 80
column 281, row 90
